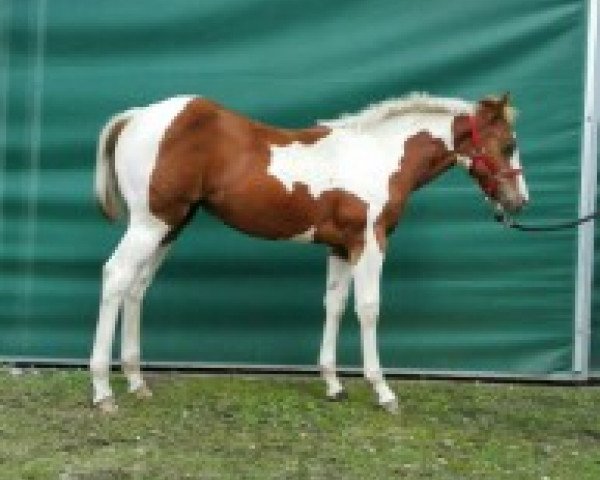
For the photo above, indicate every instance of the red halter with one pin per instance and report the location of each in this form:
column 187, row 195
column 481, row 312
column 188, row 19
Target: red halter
column 483, row 168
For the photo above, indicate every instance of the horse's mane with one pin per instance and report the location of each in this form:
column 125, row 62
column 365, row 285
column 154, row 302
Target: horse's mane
column 413, row 103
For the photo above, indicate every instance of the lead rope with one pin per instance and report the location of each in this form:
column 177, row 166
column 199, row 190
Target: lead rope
column 510, row 223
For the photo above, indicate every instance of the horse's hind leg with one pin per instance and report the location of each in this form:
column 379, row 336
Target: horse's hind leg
column 130, row 334
column 336, row 295
column 135, row 249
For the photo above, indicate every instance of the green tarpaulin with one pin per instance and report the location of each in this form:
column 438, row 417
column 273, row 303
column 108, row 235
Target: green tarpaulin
column 459, row 292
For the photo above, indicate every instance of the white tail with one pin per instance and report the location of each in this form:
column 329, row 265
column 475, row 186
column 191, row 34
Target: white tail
column 105, row 181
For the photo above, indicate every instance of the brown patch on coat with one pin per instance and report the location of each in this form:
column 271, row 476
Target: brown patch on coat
column 340, row 223
column 217, row 159
column 425, row 157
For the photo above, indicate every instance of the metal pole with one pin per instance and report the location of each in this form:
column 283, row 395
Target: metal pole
column 587, row 202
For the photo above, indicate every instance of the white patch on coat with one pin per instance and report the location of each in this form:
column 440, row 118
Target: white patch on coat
column 343, row 160
column 304, row 237
column 515, row 163
column 360, row 157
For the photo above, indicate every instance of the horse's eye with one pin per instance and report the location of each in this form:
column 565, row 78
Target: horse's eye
column 508, row 150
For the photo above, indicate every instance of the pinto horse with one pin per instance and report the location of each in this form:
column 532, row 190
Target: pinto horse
column 343, row 183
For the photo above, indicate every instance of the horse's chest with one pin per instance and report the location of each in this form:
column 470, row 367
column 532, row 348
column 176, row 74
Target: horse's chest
column 342, row 161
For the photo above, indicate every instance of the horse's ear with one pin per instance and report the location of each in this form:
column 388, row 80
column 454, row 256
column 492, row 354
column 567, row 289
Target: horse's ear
column 498, row 108
column 493, row 107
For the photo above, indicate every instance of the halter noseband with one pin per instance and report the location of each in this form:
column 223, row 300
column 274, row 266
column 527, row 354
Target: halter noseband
column 483, row 168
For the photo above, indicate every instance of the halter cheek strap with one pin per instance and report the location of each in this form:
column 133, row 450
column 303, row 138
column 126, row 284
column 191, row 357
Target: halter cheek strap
column 482, row 166
column 475, row 135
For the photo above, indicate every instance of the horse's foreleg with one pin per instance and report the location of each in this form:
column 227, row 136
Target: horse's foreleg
column 336, row 296
column 130, row 334
column 134, row 250
column 367, row 274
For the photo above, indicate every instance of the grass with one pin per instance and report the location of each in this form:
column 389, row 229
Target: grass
column 242, row 427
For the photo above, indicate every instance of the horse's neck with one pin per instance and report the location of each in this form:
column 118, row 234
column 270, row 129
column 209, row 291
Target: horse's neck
column 425, row 144
column 427, row 161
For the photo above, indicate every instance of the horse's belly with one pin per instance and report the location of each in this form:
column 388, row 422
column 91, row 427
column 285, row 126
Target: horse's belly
column 262, row 207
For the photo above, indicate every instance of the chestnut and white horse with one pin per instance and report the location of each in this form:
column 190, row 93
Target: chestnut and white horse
column 343, row 183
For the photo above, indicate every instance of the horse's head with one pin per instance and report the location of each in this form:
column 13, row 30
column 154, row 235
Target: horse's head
column 489, row 150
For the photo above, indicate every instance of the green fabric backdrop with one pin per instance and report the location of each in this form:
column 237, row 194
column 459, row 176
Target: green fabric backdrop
column 459, row 291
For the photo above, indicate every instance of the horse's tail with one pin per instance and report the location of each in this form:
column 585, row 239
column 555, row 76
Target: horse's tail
column 105, row 181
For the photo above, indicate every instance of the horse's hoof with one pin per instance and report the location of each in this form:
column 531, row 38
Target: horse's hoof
column 391, row 406
column 338, row 396
column 142, row 392
column 107, row 406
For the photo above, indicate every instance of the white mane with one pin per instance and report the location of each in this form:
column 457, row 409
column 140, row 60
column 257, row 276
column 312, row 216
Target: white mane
column 395, row 107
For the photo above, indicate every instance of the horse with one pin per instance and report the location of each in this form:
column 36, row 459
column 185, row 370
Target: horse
column 342, row 183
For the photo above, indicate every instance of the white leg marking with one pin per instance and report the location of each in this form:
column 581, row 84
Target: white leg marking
column 132, row 307
column 515, row 162
column 304, row 237
column 339, row 276
column 135, row 249
column 367, row 274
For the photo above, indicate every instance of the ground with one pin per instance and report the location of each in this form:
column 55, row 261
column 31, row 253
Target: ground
column 253, row 427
